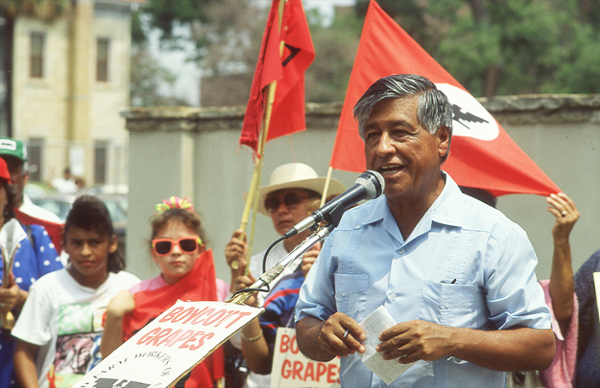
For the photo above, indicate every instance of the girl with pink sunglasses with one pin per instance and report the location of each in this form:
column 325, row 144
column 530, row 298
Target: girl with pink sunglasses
column 187, row 273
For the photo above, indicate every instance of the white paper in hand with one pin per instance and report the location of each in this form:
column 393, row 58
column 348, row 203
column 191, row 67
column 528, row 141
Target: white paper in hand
column 11, row 235
column 373, row 325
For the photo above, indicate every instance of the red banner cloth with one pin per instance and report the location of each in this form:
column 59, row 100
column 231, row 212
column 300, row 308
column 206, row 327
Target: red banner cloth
column 288, row 69
column 482, row 155
column 54, row 230
column 198, row 285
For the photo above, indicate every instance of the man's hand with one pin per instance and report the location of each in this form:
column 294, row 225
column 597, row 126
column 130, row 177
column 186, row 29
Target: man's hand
column 323, row 340
column 236, row 250
column 11, row 296
column 245, row 281
column 514, row 349
column 415, row 340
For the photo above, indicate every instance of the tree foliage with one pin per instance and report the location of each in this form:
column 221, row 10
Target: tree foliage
column 148, row 77
column 42, row 9
column 227, row 35
column 508, row 47
column 491, row 47
column 335, row 45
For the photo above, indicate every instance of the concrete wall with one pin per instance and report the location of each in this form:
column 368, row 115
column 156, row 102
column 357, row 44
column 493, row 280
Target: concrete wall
column 194, row 152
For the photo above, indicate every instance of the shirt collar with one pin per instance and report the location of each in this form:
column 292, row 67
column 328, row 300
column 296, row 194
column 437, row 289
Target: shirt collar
column 448, row 208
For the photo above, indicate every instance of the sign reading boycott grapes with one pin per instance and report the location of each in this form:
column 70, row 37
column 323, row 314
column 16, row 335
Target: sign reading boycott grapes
column 292, row 369
column 170, row 346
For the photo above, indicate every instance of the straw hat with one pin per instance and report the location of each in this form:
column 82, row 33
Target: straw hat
column 296, row 176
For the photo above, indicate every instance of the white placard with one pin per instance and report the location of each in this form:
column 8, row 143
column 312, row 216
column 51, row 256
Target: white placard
column 171, row 345
column 292, row 369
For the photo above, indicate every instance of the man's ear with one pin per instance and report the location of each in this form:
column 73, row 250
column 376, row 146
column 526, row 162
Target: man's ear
column 25, row 178
column 443, row 135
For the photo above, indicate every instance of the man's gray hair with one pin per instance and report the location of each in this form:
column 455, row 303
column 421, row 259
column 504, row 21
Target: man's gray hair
column 433, row 111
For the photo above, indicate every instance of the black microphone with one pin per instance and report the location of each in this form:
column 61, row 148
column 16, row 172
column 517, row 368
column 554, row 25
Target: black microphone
column 368, row 185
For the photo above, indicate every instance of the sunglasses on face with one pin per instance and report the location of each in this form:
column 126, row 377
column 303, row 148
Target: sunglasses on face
column 164, row 246
column 290, row 200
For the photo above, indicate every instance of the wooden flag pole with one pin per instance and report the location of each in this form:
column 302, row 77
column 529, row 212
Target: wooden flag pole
column 326, row 188
column 252, row 199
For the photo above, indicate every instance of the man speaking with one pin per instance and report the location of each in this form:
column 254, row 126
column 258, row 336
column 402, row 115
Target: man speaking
column 456, row 275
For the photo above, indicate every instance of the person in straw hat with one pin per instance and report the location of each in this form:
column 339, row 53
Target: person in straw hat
column 285, row 199
column 292, row 189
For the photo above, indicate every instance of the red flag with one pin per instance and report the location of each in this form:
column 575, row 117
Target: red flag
column 482, row 155
column 288, row 69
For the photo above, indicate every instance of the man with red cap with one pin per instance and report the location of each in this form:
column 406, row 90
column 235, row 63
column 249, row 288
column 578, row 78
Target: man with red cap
column 27, row 255
column 14, row 153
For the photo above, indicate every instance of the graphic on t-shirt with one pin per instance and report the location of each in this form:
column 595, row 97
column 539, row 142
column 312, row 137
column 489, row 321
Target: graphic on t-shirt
column 78, row 342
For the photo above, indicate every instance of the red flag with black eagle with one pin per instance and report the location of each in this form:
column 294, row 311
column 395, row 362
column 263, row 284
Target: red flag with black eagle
column 482, row 155
column 287, row 69
column 198, row 285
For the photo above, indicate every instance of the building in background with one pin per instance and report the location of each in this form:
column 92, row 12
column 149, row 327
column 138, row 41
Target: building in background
column 69, row 82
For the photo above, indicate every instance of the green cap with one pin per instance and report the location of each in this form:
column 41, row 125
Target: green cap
column 16, row 148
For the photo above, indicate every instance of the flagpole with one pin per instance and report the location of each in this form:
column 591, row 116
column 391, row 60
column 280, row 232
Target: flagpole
column 326, row 188
column 252, row 199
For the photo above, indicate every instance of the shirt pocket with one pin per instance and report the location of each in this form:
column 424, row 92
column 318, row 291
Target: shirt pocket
column 351, row 292
column 448, row 304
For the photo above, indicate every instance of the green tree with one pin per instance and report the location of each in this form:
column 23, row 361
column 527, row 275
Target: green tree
column 227, row 35
column 326, row 80
column 42, row 9
column 507, row 47
column 147, row 78
column 147, row 75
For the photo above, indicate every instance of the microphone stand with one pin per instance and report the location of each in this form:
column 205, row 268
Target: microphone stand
column 272, row 273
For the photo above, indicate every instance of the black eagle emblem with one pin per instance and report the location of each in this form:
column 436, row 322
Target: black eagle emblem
column 460, row 117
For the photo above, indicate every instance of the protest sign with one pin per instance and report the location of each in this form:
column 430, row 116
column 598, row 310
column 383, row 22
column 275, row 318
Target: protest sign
column 292, row 369
column 170, row 346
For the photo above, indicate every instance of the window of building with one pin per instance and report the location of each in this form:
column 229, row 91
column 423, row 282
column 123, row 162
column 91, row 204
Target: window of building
column 34, row 158
column 36, row 58
column 102, row 59
column 100, row 161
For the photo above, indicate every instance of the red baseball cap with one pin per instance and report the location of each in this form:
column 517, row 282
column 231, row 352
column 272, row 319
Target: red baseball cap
column 4, row 174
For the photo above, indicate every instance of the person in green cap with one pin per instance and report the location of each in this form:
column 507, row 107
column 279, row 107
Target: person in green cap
column 14, row 153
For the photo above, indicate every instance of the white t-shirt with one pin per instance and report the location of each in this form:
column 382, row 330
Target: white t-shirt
column 64, row 318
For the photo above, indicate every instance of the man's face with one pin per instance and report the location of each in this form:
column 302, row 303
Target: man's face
column 18, row 177
column 287, row 207
column 402, row 150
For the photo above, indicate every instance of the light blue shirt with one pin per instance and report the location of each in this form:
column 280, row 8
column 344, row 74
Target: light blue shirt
column 464, row 265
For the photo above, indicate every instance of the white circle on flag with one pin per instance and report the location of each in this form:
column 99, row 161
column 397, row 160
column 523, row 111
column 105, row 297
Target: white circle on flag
column 470, row 118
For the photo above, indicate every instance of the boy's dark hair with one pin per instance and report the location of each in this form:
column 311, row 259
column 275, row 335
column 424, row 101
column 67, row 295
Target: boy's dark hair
column 185, row 216
column 90, row 213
